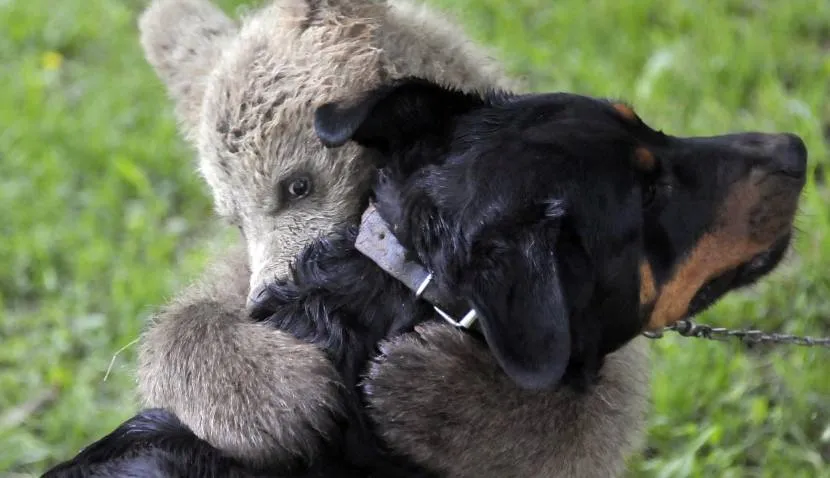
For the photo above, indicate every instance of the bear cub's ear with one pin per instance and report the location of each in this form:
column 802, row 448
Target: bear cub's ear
column 182, row 40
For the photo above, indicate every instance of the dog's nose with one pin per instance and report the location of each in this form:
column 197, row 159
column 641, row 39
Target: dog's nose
column 789, row 153
column 782, row 152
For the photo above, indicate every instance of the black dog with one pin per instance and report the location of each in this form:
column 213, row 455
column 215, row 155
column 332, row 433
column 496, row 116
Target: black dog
column 565, row 222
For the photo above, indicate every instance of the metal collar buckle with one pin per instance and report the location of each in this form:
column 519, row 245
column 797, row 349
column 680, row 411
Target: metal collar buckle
column 466, row 322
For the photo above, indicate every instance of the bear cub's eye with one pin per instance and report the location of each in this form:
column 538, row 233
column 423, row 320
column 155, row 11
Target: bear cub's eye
column 298, row 187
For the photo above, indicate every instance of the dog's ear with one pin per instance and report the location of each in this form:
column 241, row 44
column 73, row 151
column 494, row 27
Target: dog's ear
column 515, row 288
column 394, row 115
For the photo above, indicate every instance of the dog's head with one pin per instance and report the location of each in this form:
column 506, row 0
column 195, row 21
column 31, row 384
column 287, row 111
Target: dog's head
column 567, row 222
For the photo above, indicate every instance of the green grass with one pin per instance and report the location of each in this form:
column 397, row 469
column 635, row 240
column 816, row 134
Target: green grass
column 103, row 217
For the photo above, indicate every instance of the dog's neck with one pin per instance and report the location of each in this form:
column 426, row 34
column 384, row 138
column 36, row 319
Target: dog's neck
column 377, row 242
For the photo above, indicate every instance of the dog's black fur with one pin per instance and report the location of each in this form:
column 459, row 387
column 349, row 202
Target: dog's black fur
column 565, row 221
column 153, row 443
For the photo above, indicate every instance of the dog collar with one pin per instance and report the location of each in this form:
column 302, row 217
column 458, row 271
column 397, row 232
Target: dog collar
column 378, row 243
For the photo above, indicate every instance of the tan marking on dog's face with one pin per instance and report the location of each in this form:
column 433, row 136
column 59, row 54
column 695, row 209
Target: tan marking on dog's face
column 731, row 243
column 625, row 111
column 648, row 288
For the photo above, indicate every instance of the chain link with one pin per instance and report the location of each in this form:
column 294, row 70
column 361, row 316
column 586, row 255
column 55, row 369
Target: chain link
column 688, row 328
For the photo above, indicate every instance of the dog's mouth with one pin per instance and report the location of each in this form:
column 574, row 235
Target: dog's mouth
column 742, row 276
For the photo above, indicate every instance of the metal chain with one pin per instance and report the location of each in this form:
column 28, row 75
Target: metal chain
column 688, row 328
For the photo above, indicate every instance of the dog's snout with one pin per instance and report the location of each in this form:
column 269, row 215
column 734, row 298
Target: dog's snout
column 790, row 154
column 784, row 152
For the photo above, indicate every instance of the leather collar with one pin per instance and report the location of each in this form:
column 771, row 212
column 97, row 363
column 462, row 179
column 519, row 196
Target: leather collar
column 377, row 242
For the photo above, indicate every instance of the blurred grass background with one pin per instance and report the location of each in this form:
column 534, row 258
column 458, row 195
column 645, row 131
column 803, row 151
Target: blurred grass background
column 102, row 217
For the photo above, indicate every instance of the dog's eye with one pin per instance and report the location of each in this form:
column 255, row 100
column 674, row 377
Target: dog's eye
column 298, row 188
column 649, row 193
column 655, row 193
